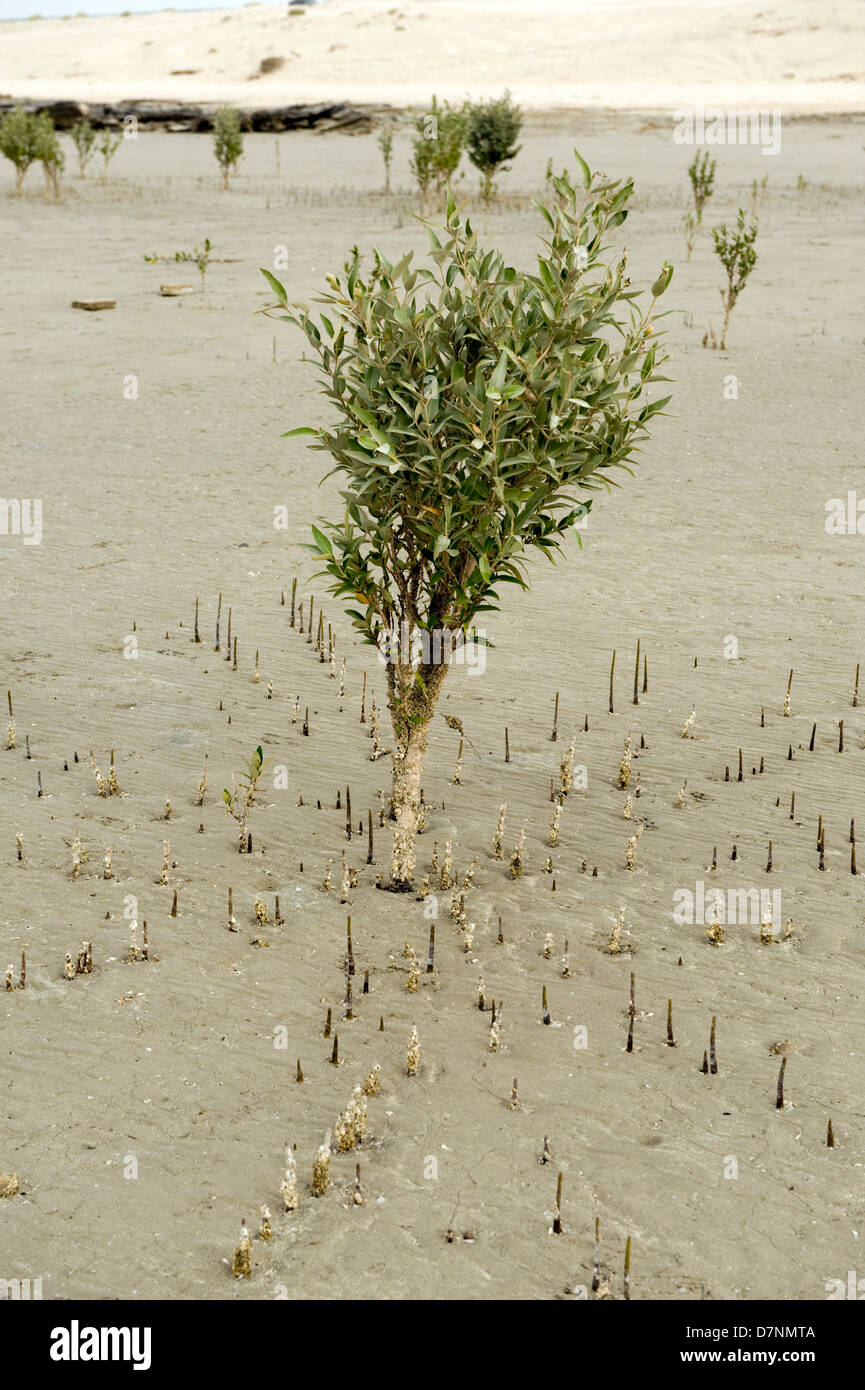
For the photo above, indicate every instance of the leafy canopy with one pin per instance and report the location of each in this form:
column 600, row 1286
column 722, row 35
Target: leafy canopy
column 493, row 128
column 476, row 407
column 19, row 138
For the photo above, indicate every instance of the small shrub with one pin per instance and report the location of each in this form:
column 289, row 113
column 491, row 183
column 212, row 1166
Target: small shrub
column 108, row 147
column 199, row 256
column 438, row 145
column 240, row 800
column 492, row 128
column 227, row 141
column 385, row 144
column 735, row 251
column 18, row 142
column 473, row 409
column 48, row 151
column 84, row 140
column 702, row 176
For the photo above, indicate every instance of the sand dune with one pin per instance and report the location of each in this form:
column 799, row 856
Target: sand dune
column 621, row 54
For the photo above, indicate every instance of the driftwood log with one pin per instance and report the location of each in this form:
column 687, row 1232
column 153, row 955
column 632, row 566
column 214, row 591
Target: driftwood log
column 185, row 116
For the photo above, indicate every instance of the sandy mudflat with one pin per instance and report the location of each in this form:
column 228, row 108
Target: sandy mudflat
column 621, row 54
column 150, row 502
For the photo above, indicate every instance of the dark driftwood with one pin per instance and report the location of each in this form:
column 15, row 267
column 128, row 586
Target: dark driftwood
column 185, row 116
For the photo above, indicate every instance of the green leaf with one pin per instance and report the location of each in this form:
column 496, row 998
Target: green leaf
column 302, row 429
column 585, row 171
column 322, row 542
column 278, row 289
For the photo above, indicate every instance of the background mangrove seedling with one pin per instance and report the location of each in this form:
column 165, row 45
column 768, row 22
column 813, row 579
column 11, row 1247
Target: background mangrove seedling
column 240, row 800
column 492, row 127
column 48, row 152
column 735, row 251
column 108, row 145
column 702, row 176
column 385, row 144
column 227, row 141
column 494, row 1040
column 84, row 139
column 437, row 146
column 19, row 142
column 200, row 257
column 524, row 371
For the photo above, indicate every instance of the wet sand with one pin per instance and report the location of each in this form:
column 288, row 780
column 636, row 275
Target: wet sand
column 151, row 501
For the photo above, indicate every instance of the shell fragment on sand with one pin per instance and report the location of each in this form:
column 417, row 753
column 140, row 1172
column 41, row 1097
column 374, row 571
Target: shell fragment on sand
column 93, row 304
column 176, row 289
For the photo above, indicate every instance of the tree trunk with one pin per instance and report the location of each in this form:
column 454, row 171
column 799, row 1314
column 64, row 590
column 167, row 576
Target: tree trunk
column 411, row 696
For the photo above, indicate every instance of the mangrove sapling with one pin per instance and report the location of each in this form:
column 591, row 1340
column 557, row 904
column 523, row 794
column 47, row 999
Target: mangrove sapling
column 385, row 144
column 474, row 406
column 240, row 800
column 491, row 129
column 19, row 142
column 200, row 257
column 702, row 176
column 735, row 251
column 48, row 152
column 438, row 145
column 108, row 145
column 227, row 141
column 84, row 140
